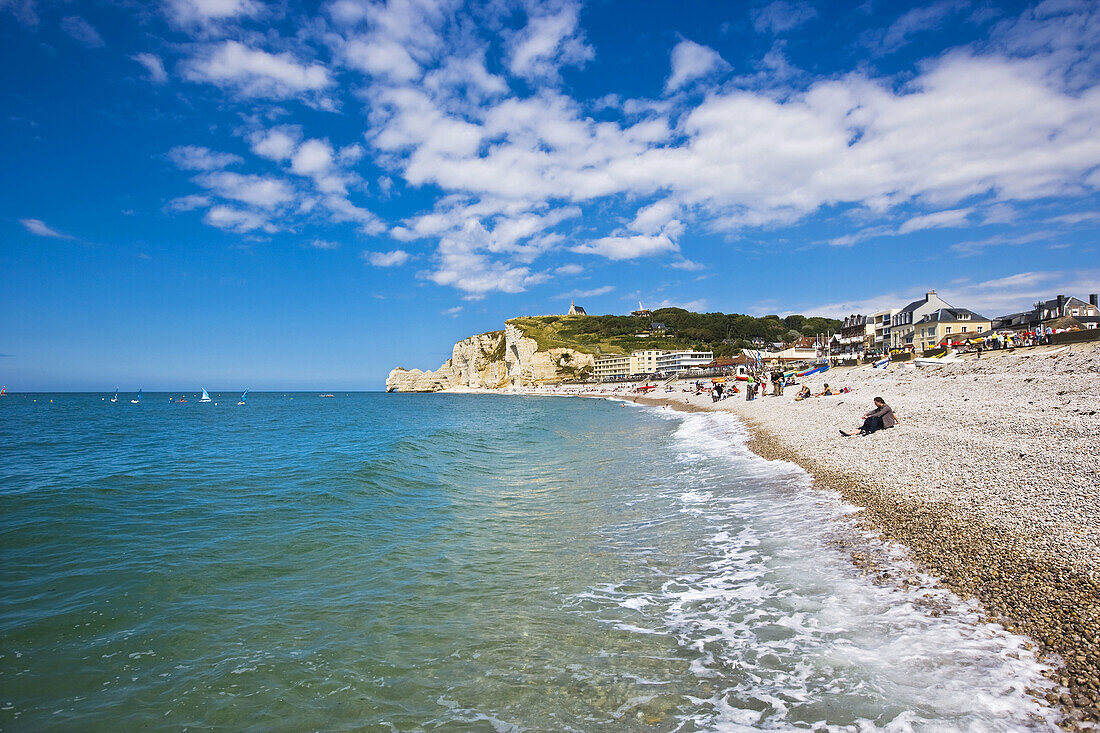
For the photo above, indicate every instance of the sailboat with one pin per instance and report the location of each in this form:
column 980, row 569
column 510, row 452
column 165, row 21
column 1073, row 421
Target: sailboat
column 115, row 398
column 205, row 397
column 243, row 397
column 138, row 400
column 4, row 391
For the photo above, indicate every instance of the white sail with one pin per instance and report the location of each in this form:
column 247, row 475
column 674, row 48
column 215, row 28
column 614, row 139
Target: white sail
column 205, row 397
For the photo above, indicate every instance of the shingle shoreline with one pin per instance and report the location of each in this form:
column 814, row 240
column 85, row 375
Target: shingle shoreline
column 991, row 481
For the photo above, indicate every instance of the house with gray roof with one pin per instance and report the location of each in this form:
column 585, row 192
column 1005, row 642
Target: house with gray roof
column 903, row 323
column 946, row 326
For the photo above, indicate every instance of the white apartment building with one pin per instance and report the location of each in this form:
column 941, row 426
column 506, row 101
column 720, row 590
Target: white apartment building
column 881, row 322
column 645, row 361
column 678, row 361
column 614, row 365
column 623, row 365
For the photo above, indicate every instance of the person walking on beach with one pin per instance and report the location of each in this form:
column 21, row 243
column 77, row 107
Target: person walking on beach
column 877, row 419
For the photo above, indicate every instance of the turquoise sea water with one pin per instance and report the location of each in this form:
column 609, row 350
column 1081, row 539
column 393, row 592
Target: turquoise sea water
column 453, row 562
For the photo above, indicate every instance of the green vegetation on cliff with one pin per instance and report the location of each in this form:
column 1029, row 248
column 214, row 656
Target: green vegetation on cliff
column 724, row 334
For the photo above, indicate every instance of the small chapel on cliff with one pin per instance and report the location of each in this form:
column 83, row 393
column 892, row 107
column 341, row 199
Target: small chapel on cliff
column 576, row 310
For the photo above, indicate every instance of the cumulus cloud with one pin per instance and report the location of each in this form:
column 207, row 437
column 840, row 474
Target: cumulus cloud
column 153, row 66
column 189, row 203
column 395, row 258
column 191, row 12
column 238, row 220
column 256, row 73
column 82, row 31
column 511, row 166
column 691, row 61
column 259, row 191
column 198, row 158
column 41, row 229
column 551, row 39
column 570, row 269
column 780, row 16
column 629, row 247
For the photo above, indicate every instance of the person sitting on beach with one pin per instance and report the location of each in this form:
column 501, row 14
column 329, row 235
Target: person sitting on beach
column 879, row 418
column 803, row 393
column 825, row 392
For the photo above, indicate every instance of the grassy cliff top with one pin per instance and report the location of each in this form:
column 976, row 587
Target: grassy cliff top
column 669, row 328
column 573, row 332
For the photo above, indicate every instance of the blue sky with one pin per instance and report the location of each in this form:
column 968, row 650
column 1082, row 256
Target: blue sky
column 234, row 194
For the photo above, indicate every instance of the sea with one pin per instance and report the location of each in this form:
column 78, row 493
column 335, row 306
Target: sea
column 404, row 562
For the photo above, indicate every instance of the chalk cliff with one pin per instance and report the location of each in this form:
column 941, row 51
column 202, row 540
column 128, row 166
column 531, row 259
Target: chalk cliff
column 494, row 360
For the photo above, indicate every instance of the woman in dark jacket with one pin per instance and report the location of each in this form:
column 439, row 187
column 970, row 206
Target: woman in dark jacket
column 880, row 417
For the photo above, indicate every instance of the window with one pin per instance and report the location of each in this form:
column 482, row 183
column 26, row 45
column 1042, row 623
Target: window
column 964, row 329
column 948, row 329
column 980, row 329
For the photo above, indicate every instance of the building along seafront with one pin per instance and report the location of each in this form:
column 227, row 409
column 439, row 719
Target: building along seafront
column 946, row 325
column 1088, row 314
column 648, row 361
column 903, row 327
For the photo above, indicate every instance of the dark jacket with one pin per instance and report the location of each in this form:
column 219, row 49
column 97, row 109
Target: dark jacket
column 887, row 415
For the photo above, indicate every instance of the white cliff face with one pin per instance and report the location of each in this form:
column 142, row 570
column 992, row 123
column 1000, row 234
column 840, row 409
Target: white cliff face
column 492, row 361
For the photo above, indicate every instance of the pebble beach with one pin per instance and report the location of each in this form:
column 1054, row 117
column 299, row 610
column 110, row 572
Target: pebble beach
column 991, row 480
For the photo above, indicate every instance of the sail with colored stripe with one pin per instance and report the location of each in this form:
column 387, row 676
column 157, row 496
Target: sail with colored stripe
column 205, row 397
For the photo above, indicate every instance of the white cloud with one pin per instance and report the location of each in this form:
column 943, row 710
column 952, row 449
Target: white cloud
column 82, row 31
column 686, row 264
column 396, row 258
column 197, row 158
column 453, row 312
column 189, row 203
column 313, row 158
column 260, row 191
column 255, row 73
column 153, row 65
column 974, row 247
column 324, row 244
column 41, row 229
column 779, row 16
column 382, row 58
column 189, row 12
column 570, row 269
column 277, row 144
column 1083, row 217
column 628, row 248
column 655, row 217
column 936, row 220
column 923, row 18
column 237, row 220
column 691, row 61
column 696, row 306
column 549, row 41
column 594, row 292
column 968, row 137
